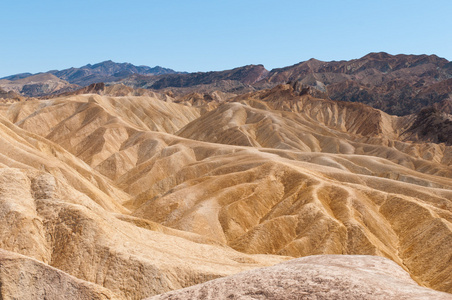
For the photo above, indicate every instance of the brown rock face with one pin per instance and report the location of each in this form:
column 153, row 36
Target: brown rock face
column 432, row 124
column 315, row 277
column 396, row 84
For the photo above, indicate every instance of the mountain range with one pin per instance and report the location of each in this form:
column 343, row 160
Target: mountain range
column 396, row 84
column 55, row 81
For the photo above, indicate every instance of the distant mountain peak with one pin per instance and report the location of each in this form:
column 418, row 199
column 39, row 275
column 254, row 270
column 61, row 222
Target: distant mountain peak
column 314, row 60
column 377, row 55
column 74, row 78
column 106, row 71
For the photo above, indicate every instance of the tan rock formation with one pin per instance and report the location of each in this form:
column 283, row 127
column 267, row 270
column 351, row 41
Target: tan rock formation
column 143, row 196
column 83, row 232
column 68, row 231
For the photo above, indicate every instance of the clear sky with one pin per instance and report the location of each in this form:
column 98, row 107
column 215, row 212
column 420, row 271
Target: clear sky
column 205, row 35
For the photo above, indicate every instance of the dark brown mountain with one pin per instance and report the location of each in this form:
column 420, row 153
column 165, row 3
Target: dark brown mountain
column 247, row 75
column 102, row 72
column 382, row 62
column 237, row 77
column 106, row 71
column 396, row 84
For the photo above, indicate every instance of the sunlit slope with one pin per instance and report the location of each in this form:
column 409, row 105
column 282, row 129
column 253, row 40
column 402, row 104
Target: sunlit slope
column 54, row 208
column 262, row 203
column 280, row 119
column 94, row 128
column 24, row 150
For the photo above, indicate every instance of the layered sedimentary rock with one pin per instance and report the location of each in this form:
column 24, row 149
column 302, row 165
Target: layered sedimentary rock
column 143, row 196
column 433, row 124
column 88, row 234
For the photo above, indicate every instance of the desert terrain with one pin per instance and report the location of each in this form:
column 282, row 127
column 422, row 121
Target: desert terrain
column 274, row 190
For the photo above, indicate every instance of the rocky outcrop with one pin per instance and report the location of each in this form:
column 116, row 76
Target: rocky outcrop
column 10, row 96
column 315, row 277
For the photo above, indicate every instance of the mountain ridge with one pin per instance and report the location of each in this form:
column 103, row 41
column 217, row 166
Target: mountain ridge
column 397, row 84
column 99, row 72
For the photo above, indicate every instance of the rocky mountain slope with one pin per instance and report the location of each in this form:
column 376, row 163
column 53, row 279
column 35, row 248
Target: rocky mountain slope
column 396, row 84
column 236, row 81
column 142, row 193
column 23, row 277
column 10, row 96
column 433, row 125
column 106, row 71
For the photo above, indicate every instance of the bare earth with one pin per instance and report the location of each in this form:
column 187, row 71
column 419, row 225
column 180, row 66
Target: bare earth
column 128, row 197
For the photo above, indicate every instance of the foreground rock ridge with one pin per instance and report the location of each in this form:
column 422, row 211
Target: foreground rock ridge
column 314, row 277
column 112, row 192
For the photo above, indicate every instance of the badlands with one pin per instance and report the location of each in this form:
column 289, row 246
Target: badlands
column 271, row 194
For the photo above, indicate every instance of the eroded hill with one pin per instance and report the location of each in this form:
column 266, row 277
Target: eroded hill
column 142, row 195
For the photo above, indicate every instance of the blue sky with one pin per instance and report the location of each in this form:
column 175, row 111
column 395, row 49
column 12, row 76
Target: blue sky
column 202, row 35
